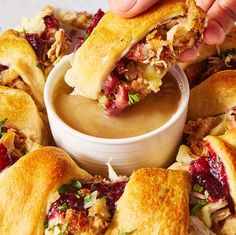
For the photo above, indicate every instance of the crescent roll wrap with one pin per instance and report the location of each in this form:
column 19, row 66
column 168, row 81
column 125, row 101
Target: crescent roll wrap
column 21, row 66
column 26, row 186
column 125, row 57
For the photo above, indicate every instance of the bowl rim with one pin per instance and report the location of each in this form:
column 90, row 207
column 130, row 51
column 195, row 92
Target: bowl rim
column 48, row 99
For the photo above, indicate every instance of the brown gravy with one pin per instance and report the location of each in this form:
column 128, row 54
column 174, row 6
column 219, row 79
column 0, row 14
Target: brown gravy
column 86, row 116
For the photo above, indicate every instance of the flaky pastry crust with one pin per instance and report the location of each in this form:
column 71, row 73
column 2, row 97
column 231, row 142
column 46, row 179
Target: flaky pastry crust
column 22, row 114
column 17, row 54
column 213, row 96
column 155, row 201
column 26, row 186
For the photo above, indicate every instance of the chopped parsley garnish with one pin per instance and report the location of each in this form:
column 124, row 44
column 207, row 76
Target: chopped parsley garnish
column 134, row 98
column 76, row 184
column 63, row 207
column 206, row 193
column 127, row 233
column 45, row 224
column 197, row 188
column 63, row 228
column 218, row 160
column 198, row 206
column 88, row 198
column 64, row 188
column 39, row 65
column 2, row 122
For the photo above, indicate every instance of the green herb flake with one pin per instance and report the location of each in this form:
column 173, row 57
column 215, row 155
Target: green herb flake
column 134, row 98
column 218, row 160
column 198, row 206
column 86, row 37
column 76, row 184
column 197, row 188
column 63, row 207
column 127, row 233
column 64, row 188
column 45, row 224
column 88, row 198
column 63, row 228
column 2, row 122
column 39, row 65
column 206, row 193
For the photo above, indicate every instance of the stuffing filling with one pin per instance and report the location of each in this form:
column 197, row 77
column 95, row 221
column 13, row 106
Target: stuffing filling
column 83, row 207
column 46, row 37
column 12, row 145
column 195, row 131
column 211, row 205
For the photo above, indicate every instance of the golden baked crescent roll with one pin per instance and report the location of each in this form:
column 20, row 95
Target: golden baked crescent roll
column 22, row 114
column 45, row 192
column 20, row 66
column 155, row 201
column 213, row 96
column 25, row 187
column 125, row 57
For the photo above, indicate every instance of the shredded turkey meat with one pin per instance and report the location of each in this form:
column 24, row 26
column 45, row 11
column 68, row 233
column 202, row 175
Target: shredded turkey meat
column 195, row 132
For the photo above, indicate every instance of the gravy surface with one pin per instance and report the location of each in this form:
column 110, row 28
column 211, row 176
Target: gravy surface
column 86, row 116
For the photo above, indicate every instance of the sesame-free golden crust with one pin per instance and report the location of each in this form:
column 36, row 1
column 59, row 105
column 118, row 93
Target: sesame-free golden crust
column 110, row 41
column 213, row 96
column 155, row 201
column 227, row 155
column 22, row 114
column 26, row 186
column 16, row 53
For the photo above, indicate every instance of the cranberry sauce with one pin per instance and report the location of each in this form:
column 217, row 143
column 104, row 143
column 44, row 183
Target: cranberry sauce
column 3, row 67
column 6, row 159
column 74, row 197
column 51, row 22
column 38, row 44
column 95, row 20
column 209, row 172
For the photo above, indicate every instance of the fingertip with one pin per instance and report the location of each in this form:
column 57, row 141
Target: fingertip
column 214, row 33
column 188, row 55
column 123, row 8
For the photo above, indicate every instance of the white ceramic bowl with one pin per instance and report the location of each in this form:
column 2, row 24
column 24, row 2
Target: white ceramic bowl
column 156, row 148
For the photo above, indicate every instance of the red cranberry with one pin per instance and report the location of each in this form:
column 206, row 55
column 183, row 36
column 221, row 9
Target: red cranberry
column 110, row 84
column 3, row 67
column 51, row 22
column 209, row 172
column 112, row 191
column 97, row 17
column 121, row 67
column 121, row 102
column 39, row 45
column 6, row 159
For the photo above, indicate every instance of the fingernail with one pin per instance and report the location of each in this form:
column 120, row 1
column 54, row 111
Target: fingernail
column 124, row 5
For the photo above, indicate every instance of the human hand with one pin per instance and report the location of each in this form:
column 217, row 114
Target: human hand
column 222, row 15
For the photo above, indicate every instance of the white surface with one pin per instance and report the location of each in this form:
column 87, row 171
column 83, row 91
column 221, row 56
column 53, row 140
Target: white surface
column 11, row 11
column 157, row 148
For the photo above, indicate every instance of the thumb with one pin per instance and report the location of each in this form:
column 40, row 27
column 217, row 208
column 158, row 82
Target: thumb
column 130, row 8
